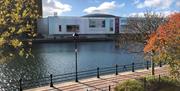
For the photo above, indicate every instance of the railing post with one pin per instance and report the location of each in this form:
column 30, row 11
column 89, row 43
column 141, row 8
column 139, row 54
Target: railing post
column 147, row 65
column 133, row 67
column 153, row 64
column 159, row 80
column 160, row 64
column 116, row 69
column 51, row 83
column 144, row 83
column 20, row 85
column 124, row 68
column 109, row 87
column 98, row 72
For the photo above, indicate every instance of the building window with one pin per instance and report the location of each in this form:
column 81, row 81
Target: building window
column 60, row 28
column 124, row 28
column 97, row 23
column 92, row 23
column 123, row 21
column 72, row 28
column 111, row 25
column 103, row 23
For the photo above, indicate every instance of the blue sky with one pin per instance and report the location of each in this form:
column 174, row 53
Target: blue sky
column 115, row 7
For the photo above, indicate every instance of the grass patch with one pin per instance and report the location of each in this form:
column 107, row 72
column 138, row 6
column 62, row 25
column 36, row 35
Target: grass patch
column 150, row 83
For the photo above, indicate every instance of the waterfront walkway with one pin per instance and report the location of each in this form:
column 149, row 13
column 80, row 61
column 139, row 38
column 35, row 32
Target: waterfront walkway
column 104, row 83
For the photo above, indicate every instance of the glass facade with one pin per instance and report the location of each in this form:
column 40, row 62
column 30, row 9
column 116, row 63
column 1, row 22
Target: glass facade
column 111, row 25
column 72, row 28
column 60, row 28
column 97, row 23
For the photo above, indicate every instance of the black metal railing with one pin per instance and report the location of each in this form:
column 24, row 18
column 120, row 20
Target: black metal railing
column 51, row 79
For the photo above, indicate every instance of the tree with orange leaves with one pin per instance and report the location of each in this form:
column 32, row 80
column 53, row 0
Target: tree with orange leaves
column 165, row 44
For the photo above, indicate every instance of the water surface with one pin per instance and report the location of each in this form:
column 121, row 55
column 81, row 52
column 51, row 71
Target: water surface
column 59, row 58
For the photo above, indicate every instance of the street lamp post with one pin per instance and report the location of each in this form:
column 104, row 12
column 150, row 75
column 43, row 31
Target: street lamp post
column 75, row 35
column 152, row 63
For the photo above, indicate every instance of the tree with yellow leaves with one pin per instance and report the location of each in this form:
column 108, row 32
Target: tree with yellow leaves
column 17, row 26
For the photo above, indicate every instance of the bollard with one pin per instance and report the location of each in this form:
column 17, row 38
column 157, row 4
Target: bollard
column 98, row 72
column 116, row 69
column 20, row 85
column 160, row 64
column 147, row 65
column 124, row 67
column 159, row 80
column 133, row 67
column 145, row 84
column 109, row 87
column 51, row 83
column 153, row 68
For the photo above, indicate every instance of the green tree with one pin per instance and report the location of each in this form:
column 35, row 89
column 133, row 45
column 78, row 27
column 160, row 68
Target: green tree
column 17, row 26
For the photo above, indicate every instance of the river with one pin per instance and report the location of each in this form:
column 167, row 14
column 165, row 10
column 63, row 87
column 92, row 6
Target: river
column 59, row 58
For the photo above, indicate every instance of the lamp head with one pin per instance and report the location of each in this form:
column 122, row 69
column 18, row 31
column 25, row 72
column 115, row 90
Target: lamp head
column 75, row 35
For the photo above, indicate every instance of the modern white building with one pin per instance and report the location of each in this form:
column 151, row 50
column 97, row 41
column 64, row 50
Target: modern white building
column 93, row 24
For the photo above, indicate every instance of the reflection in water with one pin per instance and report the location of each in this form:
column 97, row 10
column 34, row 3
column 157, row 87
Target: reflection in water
column 59, row 58
column 20, row 68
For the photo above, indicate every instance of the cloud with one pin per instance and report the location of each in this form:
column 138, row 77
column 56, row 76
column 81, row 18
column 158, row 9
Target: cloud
column 140, row 14
column 52, row 6
column 121, row 5
column 166, row 13
column 94, row 1
column 178, row 3
column 162, row 13
column 162, row 4
column 136, row 2
column 103, row 8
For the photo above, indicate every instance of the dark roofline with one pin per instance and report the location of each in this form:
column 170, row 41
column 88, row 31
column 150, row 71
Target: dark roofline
column 100, row 15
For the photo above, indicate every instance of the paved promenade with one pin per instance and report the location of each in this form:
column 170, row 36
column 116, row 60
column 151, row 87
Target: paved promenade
column 104, row 83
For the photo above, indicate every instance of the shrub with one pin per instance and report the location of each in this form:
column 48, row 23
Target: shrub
column 155, row 84
column 151, row 83
column 162, row 81
column 130, row 85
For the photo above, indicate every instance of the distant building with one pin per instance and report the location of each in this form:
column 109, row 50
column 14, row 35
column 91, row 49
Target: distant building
column 124, row 26
column 92, row 24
